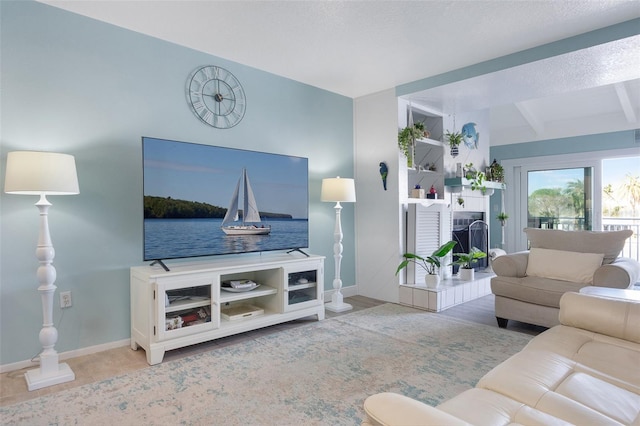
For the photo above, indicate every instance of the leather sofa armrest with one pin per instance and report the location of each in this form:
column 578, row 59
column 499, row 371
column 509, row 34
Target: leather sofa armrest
column 612, row 317
column 390, row 409
column 622, row 273
column 511, row 265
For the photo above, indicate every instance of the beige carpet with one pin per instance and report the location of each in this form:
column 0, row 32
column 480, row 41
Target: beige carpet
column 316, row 374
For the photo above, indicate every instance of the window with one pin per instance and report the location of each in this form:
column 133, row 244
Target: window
column 560, row 199
column 621, row 200
column 590, row 191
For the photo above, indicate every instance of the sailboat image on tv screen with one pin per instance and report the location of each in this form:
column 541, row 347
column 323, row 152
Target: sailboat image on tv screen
column 250, row 213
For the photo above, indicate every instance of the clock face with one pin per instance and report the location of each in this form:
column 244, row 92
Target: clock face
column 216, row 97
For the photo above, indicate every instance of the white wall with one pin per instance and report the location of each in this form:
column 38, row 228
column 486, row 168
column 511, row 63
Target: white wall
column 378, row 226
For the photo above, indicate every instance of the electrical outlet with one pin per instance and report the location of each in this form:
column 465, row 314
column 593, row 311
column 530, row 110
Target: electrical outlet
column 65, row 299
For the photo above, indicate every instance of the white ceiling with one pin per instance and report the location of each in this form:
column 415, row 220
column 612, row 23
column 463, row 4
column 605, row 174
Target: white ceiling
column 355, row 48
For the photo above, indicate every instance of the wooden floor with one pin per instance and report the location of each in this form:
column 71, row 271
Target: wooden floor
column 118, row 361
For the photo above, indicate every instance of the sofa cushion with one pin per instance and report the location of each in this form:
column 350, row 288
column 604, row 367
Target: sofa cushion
column 558, row 386
column 610, row 243
column 601, row 356
column 563, row 265
column 484, row 407
column 533, row 290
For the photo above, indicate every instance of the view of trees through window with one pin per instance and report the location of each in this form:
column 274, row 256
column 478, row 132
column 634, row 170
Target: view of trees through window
column 560, row 199
column 621, row 188
column 563, row 199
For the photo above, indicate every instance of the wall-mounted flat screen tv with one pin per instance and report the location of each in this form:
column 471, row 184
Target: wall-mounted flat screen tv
column 203, row 200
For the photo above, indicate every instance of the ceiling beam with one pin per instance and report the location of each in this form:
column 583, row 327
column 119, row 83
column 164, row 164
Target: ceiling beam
column 532, row 119
column 625, row 102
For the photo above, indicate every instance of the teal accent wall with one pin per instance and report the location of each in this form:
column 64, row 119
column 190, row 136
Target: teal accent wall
column 75, row 85
column 573, row 145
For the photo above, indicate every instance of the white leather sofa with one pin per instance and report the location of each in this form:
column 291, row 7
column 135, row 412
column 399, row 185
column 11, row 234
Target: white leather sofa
column 585, row 371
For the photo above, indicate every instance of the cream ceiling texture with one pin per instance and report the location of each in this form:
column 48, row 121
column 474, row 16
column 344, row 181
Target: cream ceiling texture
column 356, row 48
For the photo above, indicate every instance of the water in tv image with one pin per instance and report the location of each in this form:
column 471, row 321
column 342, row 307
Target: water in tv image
column 202, row 200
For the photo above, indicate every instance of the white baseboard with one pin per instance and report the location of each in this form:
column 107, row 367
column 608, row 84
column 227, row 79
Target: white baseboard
column 352, row 290
column 66, row 355
column 346, row 292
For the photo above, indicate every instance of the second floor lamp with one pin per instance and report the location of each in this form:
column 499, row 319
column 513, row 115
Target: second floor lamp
column 338, row 190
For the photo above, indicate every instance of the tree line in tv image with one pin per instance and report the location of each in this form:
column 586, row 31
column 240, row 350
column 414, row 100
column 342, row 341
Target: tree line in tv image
column 168, row 208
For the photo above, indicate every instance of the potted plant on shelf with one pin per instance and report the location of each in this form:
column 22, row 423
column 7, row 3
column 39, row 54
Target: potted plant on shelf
column 466, row 261
column 430, row 264
column 497, row 172
column 454, row 139
column 469, row 171
column 407, row 140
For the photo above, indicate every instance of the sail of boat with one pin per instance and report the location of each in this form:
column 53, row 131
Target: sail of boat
column 250, row 213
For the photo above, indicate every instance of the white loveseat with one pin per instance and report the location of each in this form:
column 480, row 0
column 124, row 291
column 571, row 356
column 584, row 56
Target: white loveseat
column 585, row 371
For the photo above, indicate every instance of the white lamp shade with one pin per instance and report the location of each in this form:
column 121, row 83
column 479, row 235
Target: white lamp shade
column 36, row 173
column 338, row 190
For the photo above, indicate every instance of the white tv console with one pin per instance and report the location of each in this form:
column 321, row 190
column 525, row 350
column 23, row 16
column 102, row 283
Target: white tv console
column 186, row 305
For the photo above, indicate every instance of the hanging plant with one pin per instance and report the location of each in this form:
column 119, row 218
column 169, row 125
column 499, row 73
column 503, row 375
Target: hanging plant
column 407, row 140
column 454, row 139
column 502, row 217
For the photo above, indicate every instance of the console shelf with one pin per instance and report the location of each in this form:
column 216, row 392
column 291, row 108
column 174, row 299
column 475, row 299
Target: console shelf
column 226, row 297
column 183, row 306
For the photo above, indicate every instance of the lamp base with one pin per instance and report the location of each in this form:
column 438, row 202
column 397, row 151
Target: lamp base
column 37, row 380
column 336, row 304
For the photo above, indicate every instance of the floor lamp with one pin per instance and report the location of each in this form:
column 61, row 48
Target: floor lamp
column 44, row 173
column 338, row 190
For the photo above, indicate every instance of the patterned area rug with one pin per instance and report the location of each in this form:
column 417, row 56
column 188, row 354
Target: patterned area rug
column 315, row 374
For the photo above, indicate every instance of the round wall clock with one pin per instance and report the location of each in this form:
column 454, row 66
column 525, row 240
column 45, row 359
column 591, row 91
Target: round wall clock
column 216, row 97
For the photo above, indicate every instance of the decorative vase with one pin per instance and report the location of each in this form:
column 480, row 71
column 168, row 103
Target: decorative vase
column 432, row 280
column 466, row 274
column 454, row 150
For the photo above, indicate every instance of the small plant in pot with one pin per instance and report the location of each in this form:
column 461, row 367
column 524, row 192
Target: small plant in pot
column 470, row 171
column 430, row 263
column 502, row 217
column 497, row 171
column 466, row 261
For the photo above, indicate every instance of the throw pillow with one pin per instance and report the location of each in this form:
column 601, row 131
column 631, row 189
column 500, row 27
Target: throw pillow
column 563, row 265
column 610, row 243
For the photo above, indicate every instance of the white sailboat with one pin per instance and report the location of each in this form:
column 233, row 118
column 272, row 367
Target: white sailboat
column 250, row 213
